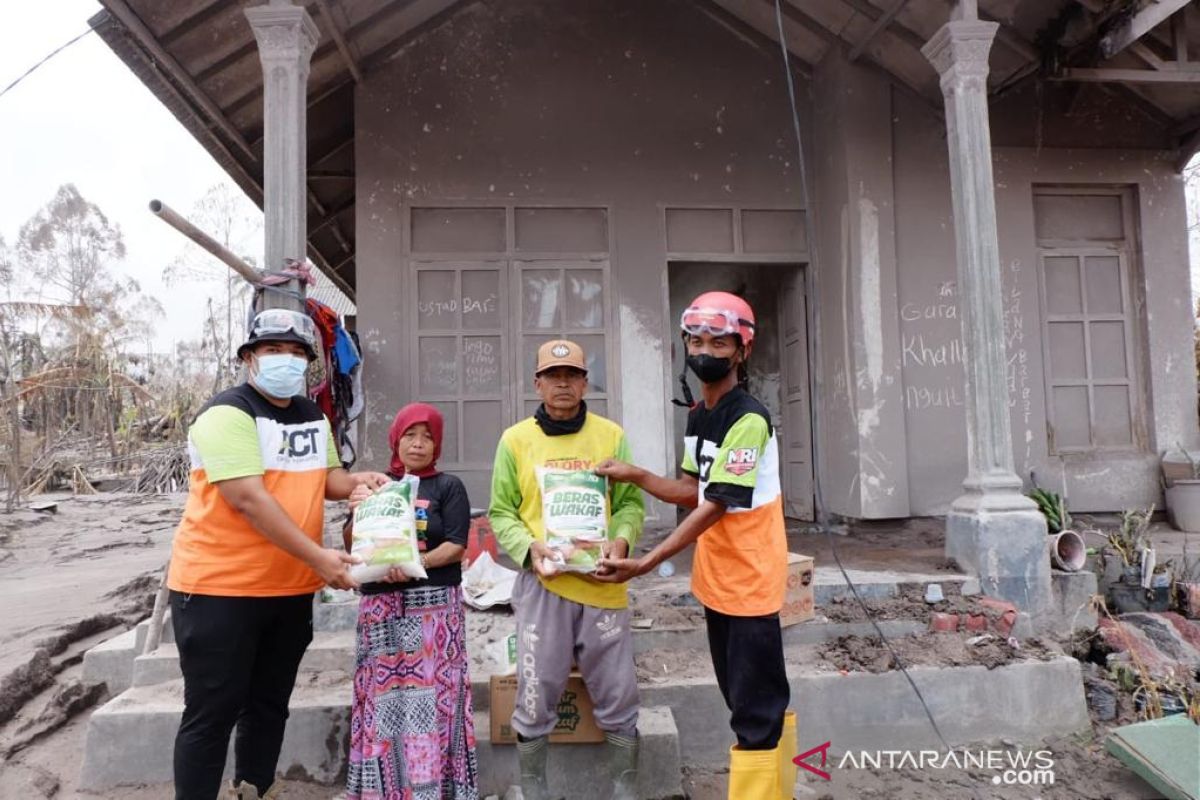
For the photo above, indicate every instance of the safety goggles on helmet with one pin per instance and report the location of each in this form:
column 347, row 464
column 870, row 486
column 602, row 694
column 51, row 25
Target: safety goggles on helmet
column 275, row 321
column 714, row 321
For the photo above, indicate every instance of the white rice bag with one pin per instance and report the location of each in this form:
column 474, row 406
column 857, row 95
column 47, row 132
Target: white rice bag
column 575, row 516
column 385, row 532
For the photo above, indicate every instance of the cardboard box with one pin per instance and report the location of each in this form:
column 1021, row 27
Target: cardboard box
column 798, row 601
column 576, row 725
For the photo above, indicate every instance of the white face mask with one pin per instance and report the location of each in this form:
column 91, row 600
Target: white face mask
column 280, row 375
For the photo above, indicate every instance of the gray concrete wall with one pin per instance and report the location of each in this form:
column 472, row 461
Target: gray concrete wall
column 641, row 107
column 632, row 105
column 930, row 329
column 861, row 421
column 1163, row 326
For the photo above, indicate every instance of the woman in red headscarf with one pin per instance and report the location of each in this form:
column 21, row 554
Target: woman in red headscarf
column 411, row 726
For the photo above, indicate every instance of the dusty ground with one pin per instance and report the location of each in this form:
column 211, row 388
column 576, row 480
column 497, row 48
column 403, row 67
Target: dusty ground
column 73, row 579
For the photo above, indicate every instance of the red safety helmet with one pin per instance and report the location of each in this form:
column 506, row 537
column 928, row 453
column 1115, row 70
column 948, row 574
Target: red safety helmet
column 720, row 314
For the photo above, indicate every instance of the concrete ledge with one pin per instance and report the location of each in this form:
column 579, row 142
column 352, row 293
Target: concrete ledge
column 131, row 739
column 1070, row 608
column 829, row 585
column 328, row 651
column 111, row 662
column 579, row 771
column 1026, row 701
column 335, row 616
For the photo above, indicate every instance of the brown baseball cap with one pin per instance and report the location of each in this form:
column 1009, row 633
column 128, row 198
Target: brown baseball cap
column 560, row 353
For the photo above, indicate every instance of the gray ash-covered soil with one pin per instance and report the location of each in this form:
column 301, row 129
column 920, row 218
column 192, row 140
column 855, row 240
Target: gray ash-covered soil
column 909, row 603
column 958, row 649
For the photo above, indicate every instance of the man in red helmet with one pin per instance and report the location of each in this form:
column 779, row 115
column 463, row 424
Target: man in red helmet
column 731, row 480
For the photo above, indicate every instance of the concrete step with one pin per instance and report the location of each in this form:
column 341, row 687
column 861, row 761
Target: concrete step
column 829, row 585
column 330, row 650
column 111, row 661
column 579, row 771
column 130, row 741
column 1024, row 701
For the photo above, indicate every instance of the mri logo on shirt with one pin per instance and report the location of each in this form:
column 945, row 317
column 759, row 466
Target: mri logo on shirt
column 742, row 460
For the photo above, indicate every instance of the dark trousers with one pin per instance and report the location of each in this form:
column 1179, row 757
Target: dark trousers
column 747, row 655
column 239, row 657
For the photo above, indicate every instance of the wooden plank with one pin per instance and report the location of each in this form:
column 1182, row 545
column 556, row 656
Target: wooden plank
column 1149, row 56
column 1139, row 25
column 167, row 63
column 340, row 40
column 1179, row 36
column 877, row 26
column 1103, row 75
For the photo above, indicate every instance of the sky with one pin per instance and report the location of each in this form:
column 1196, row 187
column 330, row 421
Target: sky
column 84, row 118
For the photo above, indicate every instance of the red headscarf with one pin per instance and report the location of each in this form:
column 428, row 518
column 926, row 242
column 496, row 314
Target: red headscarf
column 410, row 415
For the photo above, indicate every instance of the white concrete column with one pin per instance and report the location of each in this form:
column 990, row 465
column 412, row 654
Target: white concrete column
column 286, row 37
column 992, row 530
column 959, row 51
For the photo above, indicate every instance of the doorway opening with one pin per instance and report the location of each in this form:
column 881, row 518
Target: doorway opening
column 778, row 366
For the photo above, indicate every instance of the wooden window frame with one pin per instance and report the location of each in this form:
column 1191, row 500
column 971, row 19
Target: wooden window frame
column 1125, row 251
column 510, row 261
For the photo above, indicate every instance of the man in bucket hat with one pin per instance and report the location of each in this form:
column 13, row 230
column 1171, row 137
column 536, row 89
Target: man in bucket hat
column 248, row 556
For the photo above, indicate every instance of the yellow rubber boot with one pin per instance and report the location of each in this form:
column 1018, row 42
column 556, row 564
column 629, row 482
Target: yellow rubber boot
column 753, row 774
column 786, row 752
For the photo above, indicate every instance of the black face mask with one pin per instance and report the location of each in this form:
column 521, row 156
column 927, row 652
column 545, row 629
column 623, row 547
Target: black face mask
column 709, row 369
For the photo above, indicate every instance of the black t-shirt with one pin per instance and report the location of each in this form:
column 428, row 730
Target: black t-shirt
column 443, row 515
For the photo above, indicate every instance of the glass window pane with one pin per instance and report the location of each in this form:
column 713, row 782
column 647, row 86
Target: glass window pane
column 482, row 362
column 1063, row 295
column 593, row 349
column 1108, row 350
column 482, row 425
column 1104, row 285
column 540, row 298
column 585, row 299
column 1114, row 426
column 529, row 348
column 1071, row 417
column 437, row 301
column 437, row 365
column 480, row 299
column 1066, row 350
column 449, row 433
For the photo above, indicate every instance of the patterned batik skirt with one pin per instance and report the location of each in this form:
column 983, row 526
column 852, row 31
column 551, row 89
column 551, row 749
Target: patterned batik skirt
column 412, row 735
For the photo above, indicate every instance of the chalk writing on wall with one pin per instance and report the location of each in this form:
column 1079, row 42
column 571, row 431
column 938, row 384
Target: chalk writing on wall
column 479, row 305
column 931, row 350
column 481, row 365
column 1020, row 395
column 436, row 308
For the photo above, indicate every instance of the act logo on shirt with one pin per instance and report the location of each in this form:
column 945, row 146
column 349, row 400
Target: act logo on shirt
column 741, row 460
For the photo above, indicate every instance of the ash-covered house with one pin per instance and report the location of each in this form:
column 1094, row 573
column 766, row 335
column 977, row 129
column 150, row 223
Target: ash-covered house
column 483, row 175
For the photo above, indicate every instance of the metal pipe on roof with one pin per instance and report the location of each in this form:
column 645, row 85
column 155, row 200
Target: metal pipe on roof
column 181, row 224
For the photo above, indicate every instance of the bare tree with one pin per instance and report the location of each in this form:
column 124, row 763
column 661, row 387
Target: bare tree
column 226, row 214
column 69, row 246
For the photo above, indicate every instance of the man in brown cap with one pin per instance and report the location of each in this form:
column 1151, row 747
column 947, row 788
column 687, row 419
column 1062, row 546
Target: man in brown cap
column 563, row 616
